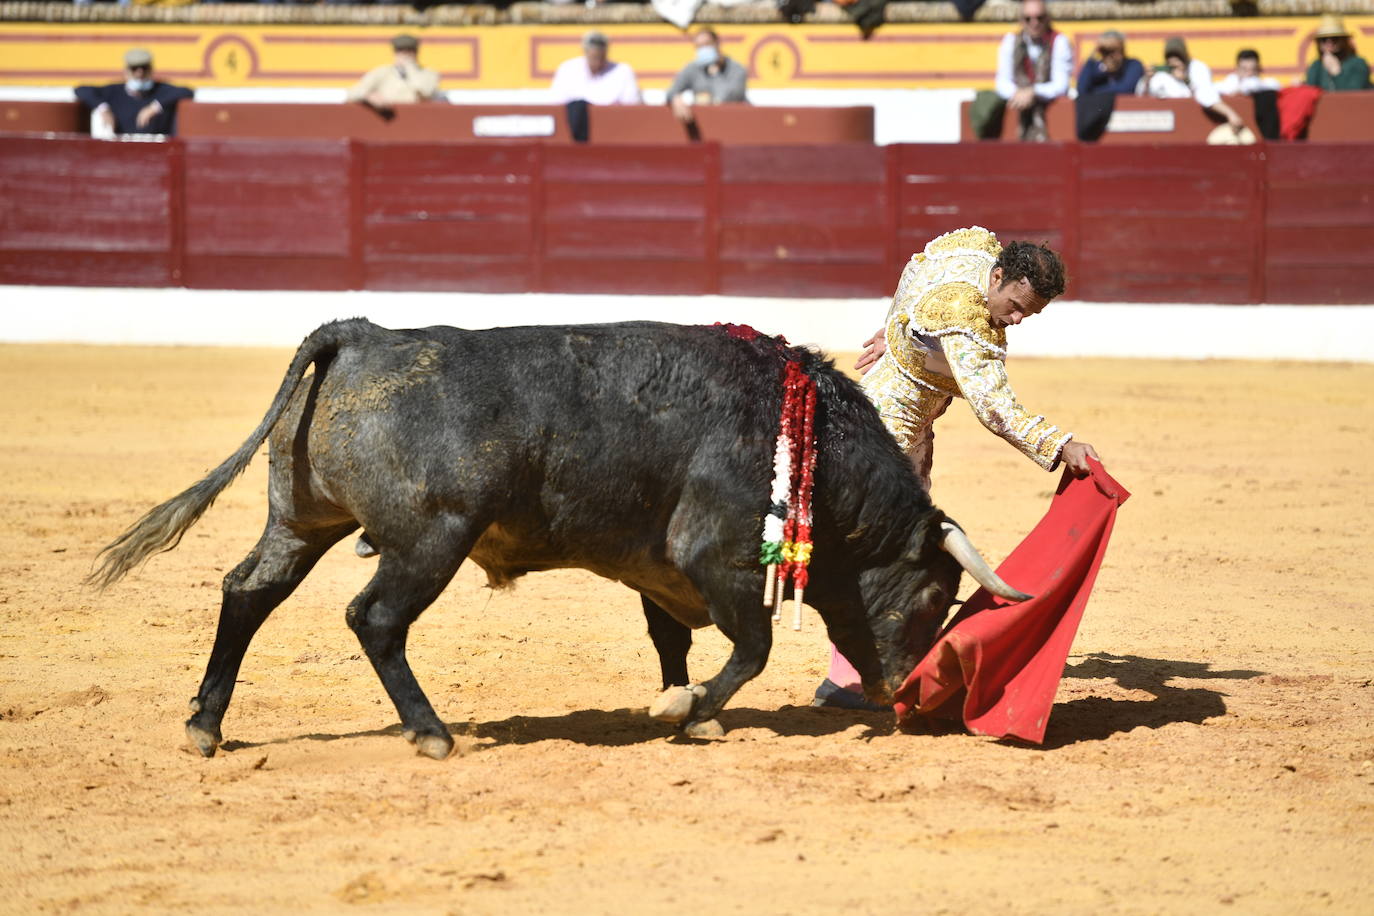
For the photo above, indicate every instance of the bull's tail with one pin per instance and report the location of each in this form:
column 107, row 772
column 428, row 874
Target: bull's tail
column 162, row 528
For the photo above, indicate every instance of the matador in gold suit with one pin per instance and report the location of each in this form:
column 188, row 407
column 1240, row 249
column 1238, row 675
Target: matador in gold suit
column 946, row 338
column 942, row 344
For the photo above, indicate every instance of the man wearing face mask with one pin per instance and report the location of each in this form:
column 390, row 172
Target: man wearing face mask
column 711, row 78
column 139, row 105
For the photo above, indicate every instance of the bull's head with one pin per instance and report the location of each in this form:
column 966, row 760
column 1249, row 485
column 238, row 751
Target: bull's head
column 907, row 602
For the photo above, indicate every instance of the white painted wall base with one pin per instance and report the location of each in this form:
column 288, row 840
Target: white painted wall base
column 237, row 318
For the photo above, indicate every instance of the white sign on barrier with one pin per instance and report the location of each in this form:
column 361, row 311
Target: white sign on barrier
column 1141, row 122
column 513, row 126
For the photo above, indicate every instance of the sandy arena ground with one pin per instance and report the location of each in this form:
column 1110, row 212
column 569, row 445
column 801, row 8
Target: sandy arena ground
column 1212, row 745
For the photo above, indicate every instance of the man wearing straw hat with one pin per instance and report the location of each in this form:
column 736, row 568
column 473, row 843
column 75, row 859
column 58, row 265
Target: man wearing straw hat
column 1338, row 68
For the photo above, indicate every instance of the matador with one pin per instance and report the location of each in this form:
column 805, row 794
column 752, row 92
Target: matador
column 946, row 337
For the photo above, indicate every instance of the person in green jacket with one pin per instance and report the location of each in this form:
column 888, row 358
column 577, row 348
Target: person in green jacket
column 1339, row 67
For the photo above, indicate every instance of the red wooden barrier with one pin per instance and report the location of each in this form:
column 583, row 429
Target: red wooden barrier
column 1162, row 224
column 449, row 217
column 804, row 221
column 1138, row 121
column 85, row 213
column 1144, row 224
column 430, row 122
column 434, row 122
column 41, row 117
column 1319, row 223
column 268, row 214
column 628, row 219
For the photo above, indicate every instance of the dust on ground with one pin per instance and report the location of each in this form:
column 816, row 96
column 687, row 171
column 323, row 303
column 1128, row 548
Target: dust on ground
column 1212, row 743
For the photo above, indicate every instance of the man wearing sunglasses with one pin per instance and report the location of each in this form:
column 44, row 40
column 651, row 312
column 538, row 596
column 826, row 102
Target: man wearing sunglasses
column 1338, row 67
column 139, row 105
column 1033, row 68
column 1110, row 70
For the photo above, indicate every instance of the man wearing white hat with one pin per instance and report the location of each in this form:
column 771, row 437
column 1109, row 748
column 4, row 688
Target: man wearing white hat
column 139, row 105
column 1339, row 67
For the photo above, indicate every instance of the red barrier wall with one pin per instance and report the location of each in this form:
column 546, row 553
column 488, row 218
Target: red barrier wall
column 85, row 213
column 1142, row 224
column 1319, row 224
column 642, row 124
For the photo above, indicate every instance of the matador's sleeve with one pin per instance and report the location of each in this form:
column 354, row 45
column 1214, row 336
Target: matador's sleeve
column 957, row 315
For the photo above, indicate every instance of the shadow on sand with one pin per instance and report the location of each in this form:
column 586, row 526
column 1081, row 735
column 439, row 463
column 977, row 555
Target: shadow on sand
column 1083, row 719
column 1096, row 718
column 621, row 727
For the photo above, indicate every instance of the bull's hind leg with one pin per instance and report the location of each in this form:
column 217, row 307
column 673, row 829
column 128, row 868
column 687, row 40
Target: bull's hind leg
column 252, row 590
column 672, row 640
column 408, row 579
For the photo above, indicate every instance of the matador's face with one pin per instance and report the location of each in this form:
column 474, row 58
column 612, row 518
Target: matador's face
column 1011, row 303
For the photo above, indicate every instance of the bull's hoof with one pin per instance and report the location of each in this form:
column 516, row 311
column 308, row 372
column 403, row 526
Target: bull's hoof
column 409, row 735
column 675, row 703
column 436, row 747
column 204, row 740
column 707, row 728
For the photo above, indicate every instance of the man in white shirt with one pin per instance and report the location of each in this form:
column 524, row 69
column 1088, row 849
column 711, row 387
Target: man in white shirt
column 1184, row 77
column 594, row 78
column 1033, row 68
column 1247, row 80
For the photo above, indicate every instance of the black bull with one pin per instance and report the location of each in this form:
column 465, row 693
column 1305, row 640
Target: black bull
column 639, row 451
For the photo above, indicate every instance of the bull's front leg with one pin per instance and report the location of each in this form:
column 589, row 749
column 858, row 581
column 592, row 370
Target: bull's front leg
column 696, row 706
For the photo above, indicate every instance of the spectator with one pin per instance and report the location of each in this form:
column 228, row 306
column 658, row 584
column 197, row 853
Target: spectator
column 594, row 78
column 401, row 82
column 1033, row 68
column 711, row 78
column 139, row 105
column 1247, row 80
column 1181, row 77
column 1110, row 70
column 1338, row 68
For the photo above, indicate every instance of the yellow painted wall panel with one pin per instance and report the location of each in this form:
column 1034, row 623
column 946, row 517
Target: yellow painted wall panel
column 523, row 57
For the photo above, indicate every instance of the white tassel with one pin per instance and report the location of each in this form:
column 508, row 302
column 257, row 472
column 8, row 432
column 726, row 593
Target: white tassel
column 777, row 596
column 797, row 607
column 770, row 578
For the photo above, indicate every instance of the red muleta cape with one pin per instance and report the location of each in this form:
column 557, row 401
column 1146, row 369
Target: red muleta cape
column 1005, row 659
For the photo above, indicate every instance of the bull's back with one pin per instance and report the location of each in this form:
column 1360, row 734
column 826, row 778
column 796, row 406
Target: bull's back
column 575, row 440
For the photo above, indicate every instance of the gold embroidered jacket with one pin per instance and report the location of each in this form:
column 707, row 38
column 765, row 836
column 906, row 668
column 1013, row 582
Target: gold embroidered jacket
column 941, row 344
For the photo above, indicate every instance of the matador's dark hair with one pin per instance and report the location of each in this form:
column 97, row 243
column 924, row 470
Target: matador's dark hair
column 1037, row 263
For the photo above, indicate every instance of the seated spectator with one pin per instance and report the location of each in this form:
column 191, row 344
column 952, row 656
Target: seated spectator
column 401, row 82
column 1338, row 68
column 1110, row 70
column 1247, row 80
column 594, row 78
column 139, row 105
column 711, row 78
column 1181, row 77
column 1033, row 68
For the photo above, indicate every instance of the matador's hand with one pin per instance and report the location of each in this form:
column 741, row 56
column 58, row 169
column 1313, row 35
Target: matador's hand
column 1075, row 457
column 874, row 347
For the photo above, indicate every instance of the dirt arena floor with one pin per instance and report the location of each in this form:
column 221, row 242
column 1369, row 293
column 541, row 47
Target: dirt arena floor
column 1212, row 745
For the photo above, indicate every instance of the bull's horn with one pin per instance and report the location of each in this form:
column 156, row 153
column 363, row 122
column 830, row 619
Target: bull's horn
column 957, row 545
